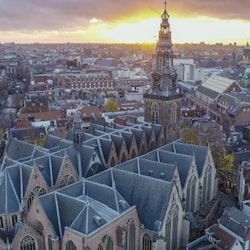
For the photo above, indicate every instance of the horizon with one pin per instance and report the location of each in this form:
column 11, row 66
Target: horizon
column 130, row 22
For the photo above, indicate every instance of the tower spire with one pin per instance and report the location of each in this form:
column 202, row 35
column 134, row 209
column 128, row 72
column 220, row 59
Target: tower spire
column 165, row 15
column 164, row 75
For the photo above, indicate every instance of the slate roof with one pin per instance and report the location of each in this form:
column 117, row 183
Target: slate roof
column 141, row 192
column 53, row 142
column 19, row 150
column 9, row 200
column 199, row 152
column 107, row 62
column 182, row 162
column 19, row 175
column 128, row 136
column 236, row 221
column 241, row 156
column 208, row 92
column 82, row 207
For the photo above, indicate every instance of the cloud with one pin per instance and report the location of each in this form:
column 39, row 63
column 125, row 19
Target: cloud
column 229, row 9
column 37, row 15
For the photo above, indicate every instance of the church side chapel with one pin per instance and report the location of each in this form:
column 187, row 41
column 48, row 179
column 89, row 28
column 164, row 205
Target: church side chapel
column 121, row 187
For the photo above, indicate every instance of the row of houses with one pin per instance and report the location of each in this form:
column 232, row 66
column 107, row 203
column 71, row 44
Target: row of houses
column 224, row 100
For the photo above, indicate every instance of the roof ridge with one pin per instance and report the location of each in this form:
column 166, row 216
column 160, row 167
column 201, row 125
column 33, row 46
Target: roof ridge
column 58, row 214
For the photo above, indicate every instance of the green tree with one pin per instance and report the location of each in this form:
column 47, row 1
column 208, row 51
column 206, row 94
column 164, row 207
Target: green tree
column 225, row 163
column 111, row 106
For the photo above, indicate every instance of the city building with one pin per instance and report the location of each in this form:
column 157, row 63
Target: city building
column 230, row 232
column 246, row 52
column 86, row 80
column 128, row 185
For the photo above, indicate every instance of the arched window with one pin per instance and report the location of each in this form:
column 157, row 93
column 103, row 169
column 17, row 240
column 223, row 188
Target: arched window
column 172, row 228
column 131, row 236
column 49, row 242
column 1, row 222
column 100, row 247
column 28, row 243
column 191, row 194
column 146, row 242
column 14, row 219
column 155, row 112
column 37, row 191
column 173, row 113
column 67, row 180
column 106, row 243
column 109, row 245
column 207, row 184
column 70, row 246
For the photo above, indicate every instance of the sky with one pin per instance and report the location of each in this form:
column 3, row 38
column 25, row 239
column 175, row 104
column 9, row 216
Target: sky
column 119, row 21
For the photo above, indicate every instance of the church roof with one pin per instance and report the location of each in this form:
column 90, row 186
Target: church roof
column 141, row 193
column 9, row 199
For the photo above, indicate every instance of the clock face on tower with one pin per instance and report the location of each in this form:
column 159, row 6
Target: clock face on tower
column 157, row 82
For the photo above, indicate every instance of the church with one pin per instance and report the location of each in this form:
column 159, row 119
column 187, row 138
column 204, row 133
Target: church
column 128, row 186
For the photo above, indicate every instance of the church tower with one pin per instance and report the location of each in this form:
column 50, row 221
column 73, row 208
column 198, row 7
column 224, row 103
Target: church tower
column 163, row 102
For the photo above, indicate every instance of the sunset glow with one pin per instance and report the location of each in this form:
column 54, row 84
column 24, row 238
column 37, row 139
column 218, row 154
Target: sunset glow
column 133, row 22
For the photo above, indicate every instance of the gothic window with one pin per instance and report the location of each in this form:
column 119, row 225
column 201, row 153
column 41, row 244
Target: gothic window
column 172, row 228
column 67, row 180
column 146, row 242
column 37, row 191
column 155, row 112
column 70, row 246
column 131, row 236
column 1, row 222
column 100, row 247
column 207, row 184
column 14, row 219
column 28, row 243
column 106, row 243
column 109, row 245
column 191, row 193
column 173, row 113
column 49, row 242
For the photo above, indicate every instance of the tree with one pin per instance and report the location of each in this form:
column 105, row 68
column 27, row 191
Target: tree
column 225, row 163
column 110, row 95
column 191, row 136
column 111, row 106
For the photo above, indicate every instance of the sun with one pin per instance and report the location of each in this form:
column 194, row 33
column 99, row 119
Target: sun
column 141, row 31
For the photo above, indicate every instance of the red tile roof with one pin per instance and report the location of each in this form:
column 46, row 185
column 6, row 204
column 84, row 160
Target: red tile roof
column 226, row 239
column 43, row 116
